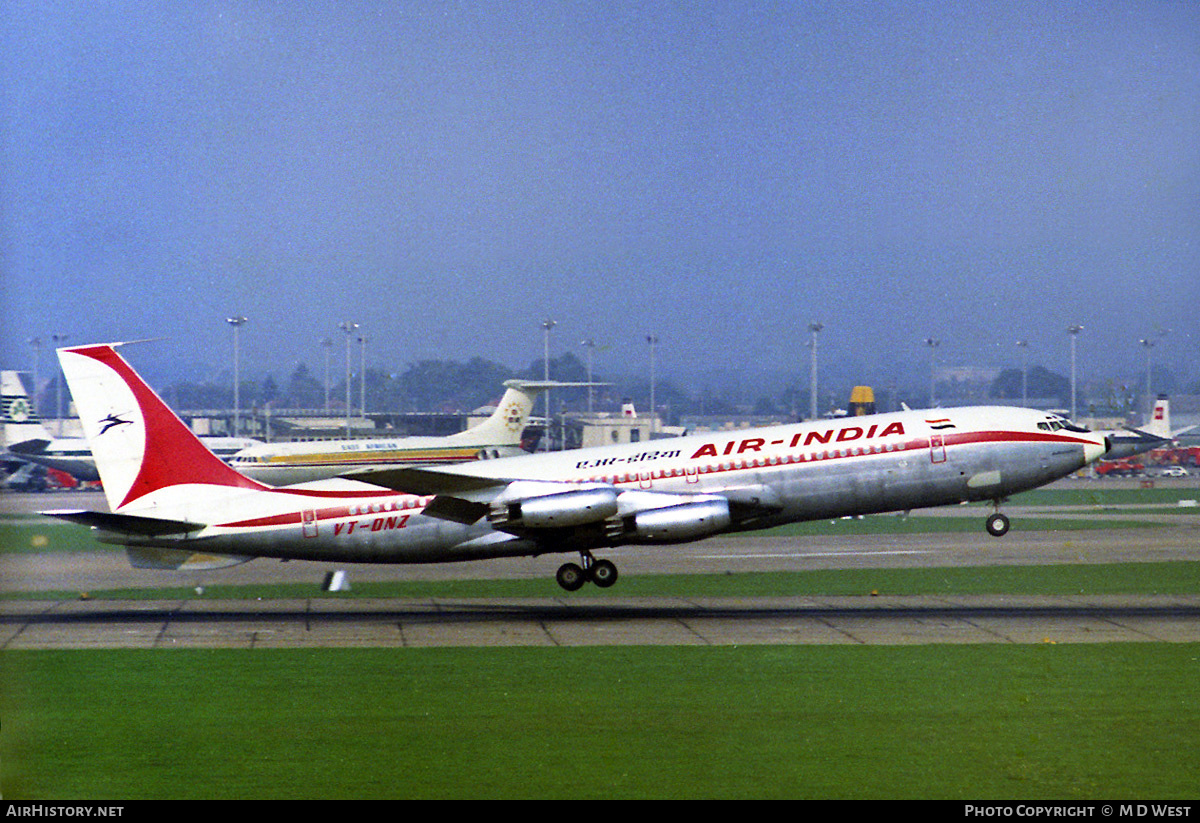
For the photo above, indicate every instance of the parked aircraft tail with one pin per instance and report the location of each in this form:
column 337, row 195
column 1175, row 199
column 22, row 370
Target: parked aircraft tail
column 1160, row 418
column 506, row 423
column 148, row 460
column 21, row 422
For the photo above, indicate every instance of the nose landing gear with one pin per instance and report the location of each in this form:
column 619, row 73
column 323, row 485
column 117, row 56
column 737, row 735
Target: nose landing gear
column 572, row 576
column 997, row 524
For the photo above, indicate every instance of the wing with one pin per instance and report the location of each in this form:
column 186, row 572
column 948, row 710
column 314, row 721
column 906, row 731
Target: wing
column 460, row 498
column 535, row 508
column 426, row 482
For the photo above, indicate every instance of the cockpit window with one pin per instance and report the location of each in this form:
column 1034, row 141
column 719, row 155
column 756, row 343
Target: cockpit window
column 1053, row 424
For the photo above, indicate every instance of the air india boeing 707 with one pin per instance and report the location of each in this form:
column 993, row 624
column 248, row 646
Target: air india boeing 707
column 174, row 505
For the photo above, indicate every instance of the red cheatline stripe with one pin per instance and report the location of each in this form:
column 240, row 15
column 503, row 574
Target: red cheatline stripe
column 959, row 438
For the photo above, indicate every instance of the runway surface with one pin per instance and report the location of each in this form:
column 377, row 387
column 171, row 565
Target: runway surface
column 561, row 619
column 323, row 622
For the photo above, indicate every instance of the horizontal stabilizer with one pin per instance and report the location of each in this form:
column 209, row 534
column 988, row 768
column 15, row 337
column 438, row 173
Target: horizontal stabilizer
column 126, row 523
column 141, row 557
column 35, row 445
column 542, row 385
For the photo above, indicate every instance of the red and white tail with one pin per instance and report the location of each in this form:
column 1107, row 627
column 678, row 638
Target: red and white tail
column 146, row 456
column 1160, row 418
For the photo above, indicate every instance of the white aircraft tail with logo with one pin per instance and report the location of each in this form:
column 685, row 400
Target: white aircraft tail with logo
column 507, row 422
column 504, row 426
column 21, row 422
column 149, row 462
column 1160, row 418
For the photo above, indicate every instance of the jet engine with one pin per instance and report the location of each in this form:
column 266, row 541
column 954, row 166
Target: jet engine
column 671, row 524
column 555, row 511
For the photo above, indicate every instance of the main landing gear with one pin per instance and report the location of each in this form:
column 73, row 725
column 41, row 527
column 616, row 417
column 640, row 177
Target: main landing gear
column 601, row 572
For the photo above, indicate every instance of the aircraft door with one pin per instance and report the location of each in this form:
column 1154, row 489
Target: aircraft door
column 309, row 523
column 937, row 447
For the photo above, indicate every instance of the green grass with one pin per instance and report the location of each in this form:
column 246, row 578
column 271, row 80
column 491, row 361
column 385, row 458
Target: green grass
column 952, row 524
column 1092, row 494
column 981, row 722
column 1031, row 722
column 22, row 535
column 1180, row 577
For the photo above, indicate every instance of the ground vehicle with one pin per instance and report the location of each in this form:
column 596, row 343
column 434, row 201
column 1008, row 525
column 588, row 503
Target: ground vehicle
column 1120, row 468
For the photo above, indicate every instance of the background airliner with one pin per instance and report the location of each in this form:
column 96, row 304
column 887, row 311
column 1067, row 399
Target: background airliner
column 175, row 505
column 280, row 464
column 1155, row 434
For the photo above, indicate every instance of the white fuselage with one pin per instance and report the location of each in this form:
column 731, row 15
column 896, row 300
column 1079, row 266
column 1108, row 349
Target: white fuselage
column 73, row 455
column 769, row 476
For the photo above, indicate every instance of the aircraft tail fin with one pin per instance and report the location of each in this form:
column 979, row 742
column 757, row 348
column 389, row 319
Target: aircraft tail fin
column 21, row 420
column 1160, row 418
column 143, row 451
column 507, row 422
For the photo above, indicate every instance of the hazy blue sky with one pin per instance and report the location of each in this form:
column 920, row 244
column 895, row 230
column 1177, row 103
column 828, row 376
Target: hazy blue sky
column 448, row 174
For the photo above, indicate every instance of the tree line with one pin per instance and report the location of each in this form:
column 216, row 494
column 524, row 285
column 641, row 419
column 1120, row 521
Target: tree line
column 448, row 386
column 453, row 386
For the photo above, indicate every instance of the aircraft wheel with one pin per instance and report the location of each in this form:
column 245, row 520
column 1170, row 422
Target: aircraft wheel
column 997, row 525
column 571, row 577
column 604, row 573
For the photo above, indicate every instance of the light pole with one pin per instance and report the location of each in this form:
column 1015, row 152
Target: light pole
column 362, row 374
column 327, row 343
column 547, row 325
column 1023, row 345
column 590, row 345
column 349, row 328
column 58, row 381
column 1074, row 331
column 1148, row 344
column 932, row 344
column 36, row 344
column 237, row 323
column 813, row 328
column 653, row 341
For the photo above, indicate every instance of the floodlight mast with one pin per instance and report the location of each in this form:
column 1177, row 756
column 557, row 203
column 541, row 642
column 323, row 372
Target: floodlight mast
column 1073, row 330
column 813, row 328
column 237, row 323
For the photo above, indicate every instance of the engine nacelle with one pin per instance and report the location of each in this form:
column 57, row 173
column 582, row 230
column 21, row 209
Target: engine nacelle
column 555, row 511
column 672, row 524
